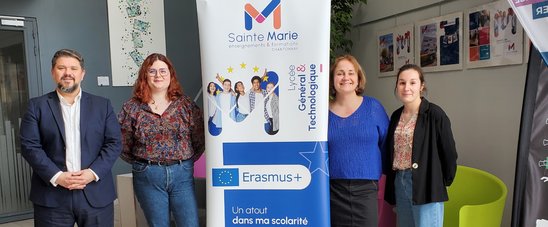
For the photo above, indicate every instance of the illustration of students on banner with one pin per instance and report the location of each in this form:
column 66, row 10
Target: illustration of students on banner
column 227, row 99
column 256, row 93
column 238, row 104
column 214, row 111
column 242, row 102
column 271, row 110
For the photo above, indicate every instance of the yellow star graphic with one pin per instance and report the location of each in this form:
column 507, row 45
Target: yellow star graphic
column 255, row 69
column 243, row 65
column 265, row 78
column 230, row 69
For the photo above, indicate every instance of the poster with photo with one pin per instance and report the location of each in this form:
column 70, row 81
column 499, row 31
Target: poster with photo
column 494, row 36
column 439, row 42
column 395, row 49
column 386, row 54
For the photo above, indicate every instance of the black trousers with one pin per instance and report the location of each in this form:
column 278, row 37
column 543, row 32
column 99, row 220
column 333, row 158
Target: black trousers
column 354, row 203
column 76, row 211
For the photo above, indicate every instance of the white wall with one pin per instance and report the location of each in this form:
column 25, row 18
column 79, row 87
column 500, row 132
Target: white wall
column 484, row 104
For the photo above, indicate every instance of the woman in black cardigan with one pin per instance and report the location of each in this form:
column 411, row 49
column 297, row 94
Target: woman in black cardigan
column 422, row 158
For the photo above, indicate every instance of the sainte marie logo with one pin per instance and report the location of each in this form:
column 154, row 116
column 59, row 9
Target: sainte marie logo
column 251, row 13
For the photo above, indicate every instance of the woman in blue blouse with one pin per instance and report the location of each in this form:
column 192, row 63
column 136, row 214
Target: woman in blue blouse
column 356, row 135
column 162, row 136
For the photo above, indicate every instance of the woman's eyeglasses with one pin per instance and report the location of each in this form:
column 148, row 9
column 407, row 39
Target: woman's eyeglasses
column 163, row 72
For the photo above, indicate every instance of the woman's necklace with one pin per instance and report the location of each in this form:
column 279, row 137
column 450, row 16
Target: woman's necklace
column 408, row 116
column 154, row 104
column 157, row 106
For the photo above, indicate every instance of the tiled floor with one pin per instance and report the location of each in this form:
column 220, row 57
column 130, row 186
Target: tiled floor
column 25, row 223
column 30, row 222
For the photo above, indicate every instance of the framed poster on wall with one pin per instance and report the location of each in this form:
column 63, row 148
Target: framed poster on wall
column 439, row 43
column 136, row 29
column 494, row 36
column 395, row 49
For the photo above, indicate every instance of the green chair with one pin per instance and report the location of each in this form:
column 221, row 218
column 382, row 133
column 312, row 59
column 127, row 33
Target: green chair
column 476, row 198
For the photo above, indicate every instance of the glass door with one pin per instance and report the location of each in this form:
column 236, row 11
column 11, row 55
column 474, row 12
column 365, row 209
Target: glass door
column 19, row 75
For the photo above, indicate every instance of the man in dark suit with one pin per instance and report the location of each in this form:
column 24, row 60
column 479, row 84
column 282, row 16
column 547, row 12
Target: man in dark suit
column 71, row 139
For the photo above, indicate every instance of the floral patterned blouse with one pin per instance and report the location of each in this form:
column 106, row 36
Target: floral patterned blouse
column 403, row 143
column 177, row 134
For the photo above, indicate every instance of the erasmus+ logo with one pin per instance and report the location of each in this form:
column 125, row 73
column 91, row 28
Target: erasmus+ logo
column 251, row 13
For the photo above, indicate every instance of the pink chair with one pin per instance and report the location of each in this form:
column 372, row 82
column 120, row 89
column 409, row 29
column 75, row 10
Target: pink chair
column 387, row 217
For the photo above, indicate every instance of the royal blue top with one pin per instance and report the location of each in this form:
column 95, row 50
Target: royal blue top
column 356, row 143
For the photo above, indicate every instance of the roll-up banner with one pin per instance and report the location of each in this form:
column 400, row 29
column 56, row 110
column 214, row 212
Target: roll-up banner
column 265, row 73
column 533, row 15
column 531, row 180
column 530, row 190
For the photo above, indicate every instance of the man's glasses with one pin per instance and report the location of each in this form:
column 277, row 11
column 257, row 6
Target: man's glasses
column 163, row 72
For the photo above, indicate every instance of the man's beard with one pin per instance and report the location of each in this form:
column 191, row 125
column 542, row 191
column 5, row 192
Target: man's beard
column 67, row 89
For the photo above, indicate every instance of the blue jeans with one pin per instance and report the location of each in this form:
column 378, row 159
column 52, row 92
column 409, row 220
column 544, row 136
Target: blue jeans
column 162, row 190
column 240, row 116
column 409, row 215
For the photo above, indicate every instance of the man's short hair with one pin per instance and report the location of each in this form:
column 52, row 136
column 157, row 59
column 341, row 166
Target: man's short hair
column 67, row 53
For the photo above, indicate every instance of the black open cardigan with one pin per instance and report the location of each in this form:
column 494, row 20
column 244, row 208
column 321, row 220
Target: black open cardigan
column 434, row 156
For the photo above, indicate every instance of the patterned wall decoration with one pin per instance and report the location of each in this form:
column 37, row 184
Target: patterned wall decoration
column 136, row 29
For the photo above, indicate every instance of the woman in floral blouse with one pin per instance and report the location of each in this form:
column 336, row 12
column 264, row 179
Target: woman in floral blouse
column 162, row 135
column 422, row 158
